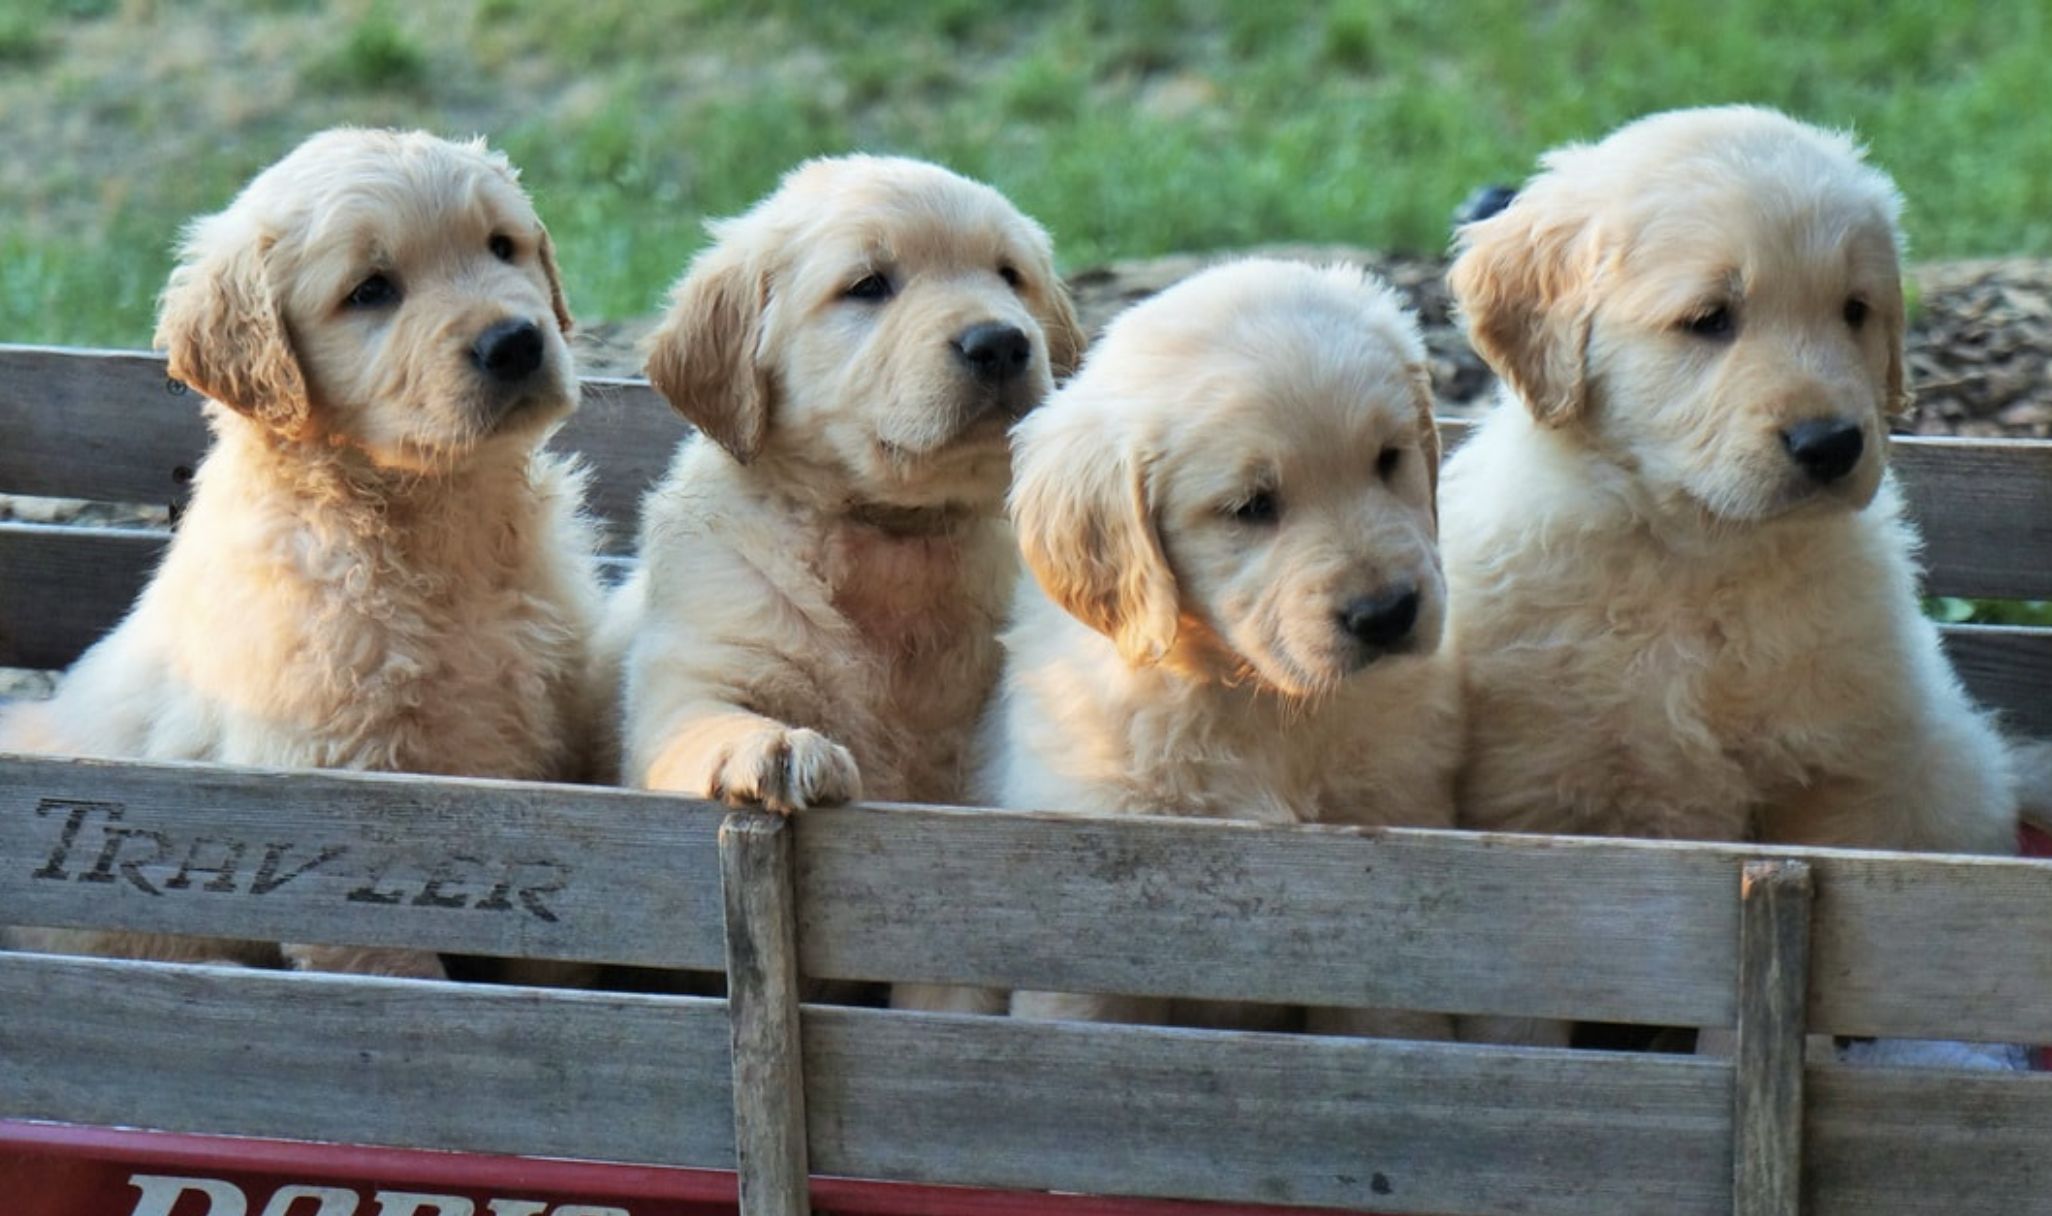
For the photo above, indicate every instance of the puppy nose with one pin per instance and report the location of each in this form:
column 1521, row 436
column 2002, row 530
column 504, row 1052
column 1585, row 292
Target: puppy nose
column 993, row 352
column 1382, row 620
column 1827, row 448
column 509, row 351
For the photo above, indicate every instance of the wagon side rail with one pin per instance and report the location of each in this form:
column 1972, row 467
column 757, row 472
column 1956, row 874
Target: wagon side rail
column 110, row 426
column 1666, row 934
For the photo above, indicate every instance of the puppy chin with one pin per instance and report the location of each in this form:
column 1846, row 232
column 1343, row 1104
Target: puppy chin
column 521, row 414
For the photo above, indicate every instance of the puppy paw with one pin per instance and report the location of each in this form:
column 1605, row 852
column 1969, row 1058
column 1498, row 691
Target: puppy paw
column 784, row 770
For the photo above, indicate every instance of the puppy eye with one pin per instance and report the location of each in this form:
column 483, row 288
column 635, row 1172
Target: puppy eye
column 377, row 291
column 1716, row 323
column 1010, row 274
column 1855, row 312
column 872, row 287
column 1259, row 507
column 501, row 247
column 1388, row 462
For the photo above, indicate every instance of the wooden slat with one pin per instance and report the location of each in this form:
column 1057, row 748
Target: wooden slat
column 1468, row 923
column 1320, row 916
column 367, row 1061
column 1984, row 507
column 1521, row 926
column 2007, row 668
column 110, row 426
column 104, row 425
column 107, row 425
column 1773, row 981
column 1358, row 1124
column 474, row 867
column 1910, row 947
column 762, row 994
column 63, row 588
column 1928, row 1143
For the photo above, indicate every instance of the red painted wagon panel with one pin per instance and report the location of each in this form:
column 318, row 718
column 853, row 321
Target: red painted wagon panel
column 51, row 1169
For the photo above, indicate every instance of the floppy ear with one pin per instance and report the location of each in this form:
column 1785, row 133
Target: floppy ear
column 1902, row 397
column 704, row 357
column 221, row 322
column 1086, row 529
column 556, row 300
column 1428, row 433
column 1522, row 283
column 1066, row 340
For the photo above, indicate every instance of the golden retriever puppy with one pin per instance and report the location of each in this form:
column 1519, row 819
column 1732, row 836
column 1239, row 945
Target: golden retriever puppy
column 1236, row 604
column 1684, row 592
column 379, row 569
column 826, row 563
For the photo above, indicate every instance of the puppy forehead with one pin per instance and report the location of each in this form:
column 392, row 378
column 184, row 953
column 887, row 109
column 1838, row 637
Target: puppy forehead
column 1299, row 415
column 396, row 194
column 907, row 214
column 1699, row 237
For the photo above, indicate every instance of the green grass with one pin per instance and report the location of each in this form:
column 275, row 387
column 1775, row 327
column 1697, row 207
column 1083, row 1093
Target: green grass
column 377, row 54
column 1130, row 129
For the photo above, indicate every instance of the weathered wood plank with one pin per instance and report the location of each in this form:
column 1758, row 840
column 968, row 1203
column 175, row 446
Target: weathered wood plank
column 1984, row 508
column 762, row 994
column 366, row 1061
column 103, row 424
column 1910, row 947
column 106, row 425
column 1773, row 981
column 1305, row 915
column 111, row 426
column 474, row 867
column 2007, row 668
column 63, row 588
column 1357, row 1124
column 1517, row 926
column 1928, row 1143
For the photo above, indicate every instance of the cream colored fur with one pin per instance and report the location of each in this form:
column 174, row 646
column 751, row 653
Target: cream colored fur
column 1667, row 629
column 379, row 570
column 826, row 565
column 1170, row 658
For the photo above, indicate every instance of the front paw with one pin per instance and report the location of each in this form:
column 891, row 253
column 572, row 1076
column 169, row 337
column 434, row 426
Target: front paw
column 785, row 770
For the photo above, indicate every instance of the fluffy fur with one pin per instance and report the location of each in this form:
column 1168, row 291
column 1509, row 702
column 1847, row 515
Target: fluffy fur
column 1243, row 460
column 379, row 569
column 826, row 563
column 1668, row 628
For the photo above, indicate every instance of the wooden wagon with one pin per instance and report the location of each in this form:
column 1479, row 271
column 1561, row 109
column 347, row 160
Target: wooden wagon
column 172, row 1090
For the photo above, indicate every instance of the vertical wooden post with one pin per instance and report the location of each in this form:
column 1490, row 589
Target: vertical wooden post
column 762, row 1003
column 1773, row 990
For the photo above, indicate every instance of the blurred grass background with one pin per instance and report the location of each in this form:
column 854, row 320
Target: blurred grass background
column 1129, row 129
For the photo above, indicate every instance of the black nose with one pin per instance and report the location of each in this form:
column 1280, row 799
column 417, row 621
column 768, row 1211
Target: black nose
column 994, row 352
column 1827, row 448
column 1382, row 620
column 509, row 351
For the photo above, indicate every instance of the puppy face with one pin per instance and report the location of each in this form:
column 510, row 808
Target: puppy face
column 1241, row 481
column 872, row 329
column 1710, row 297
column 390, row 291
